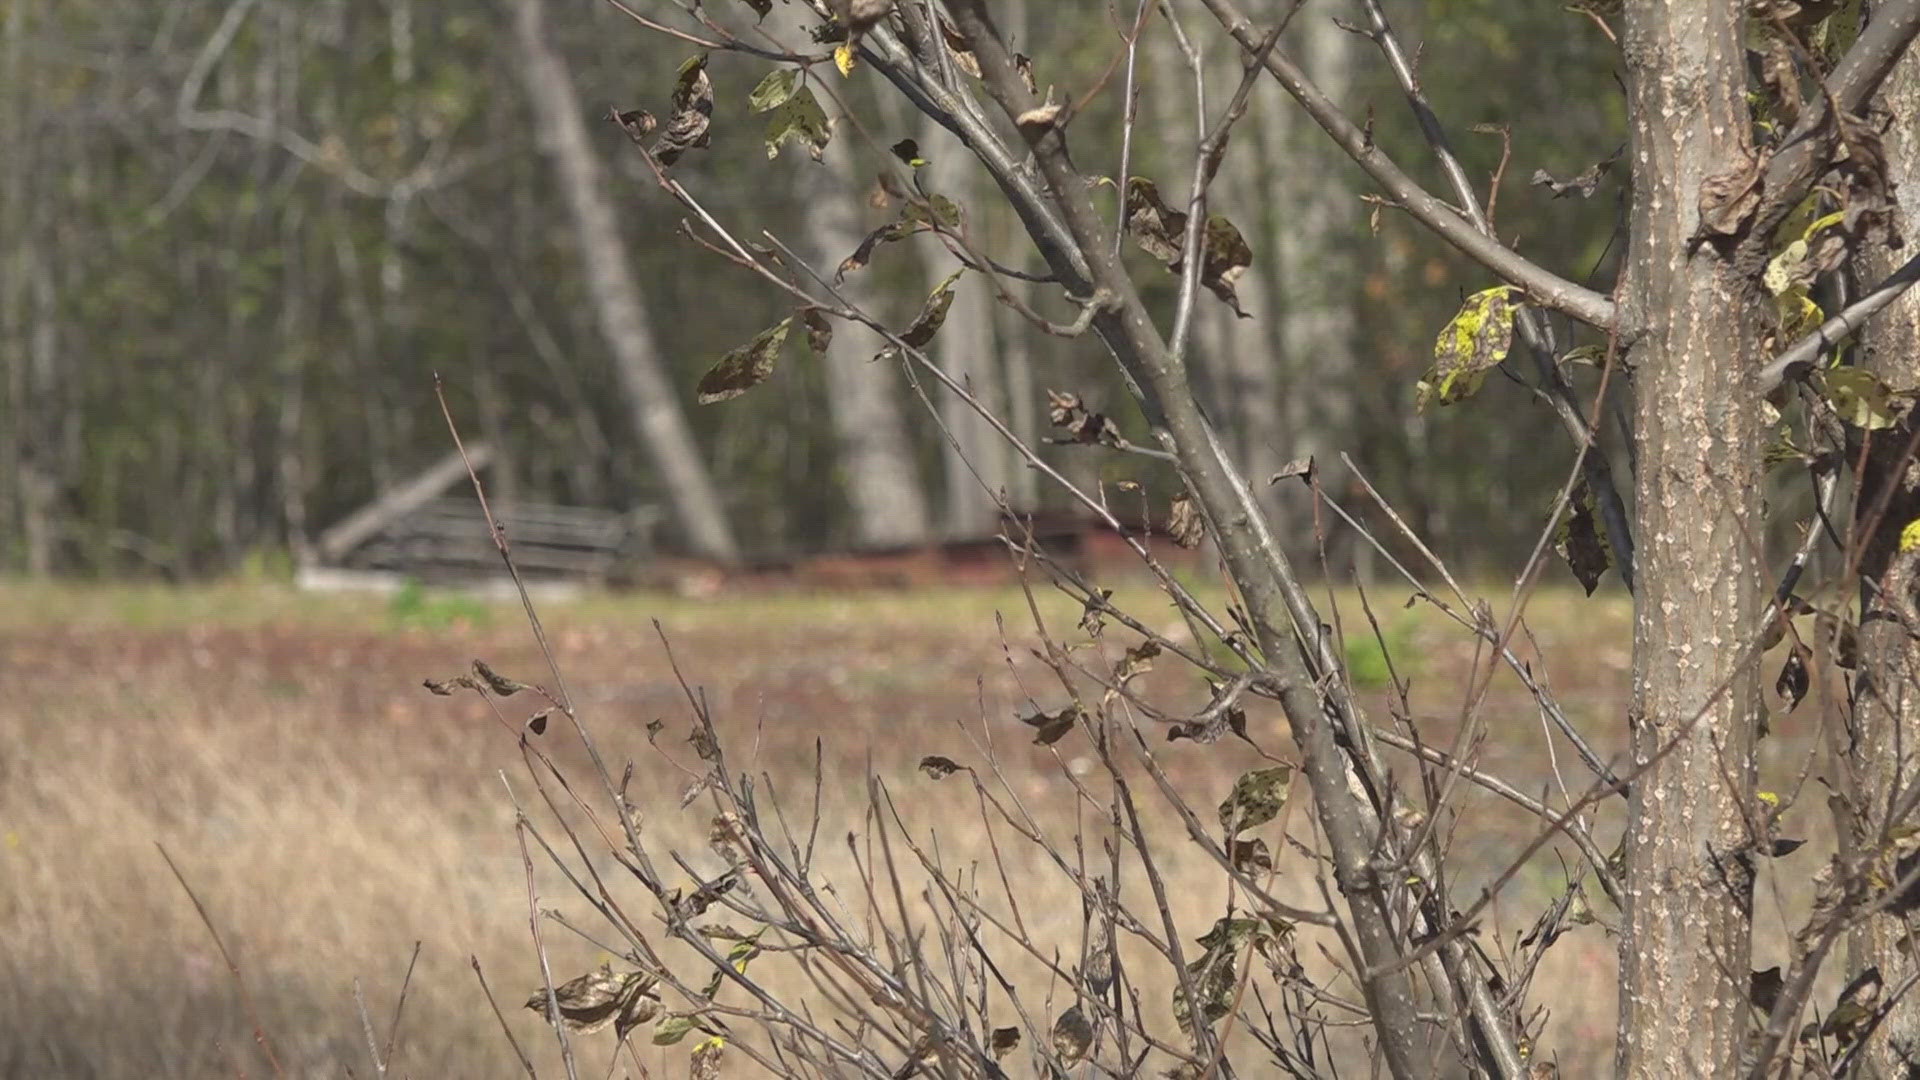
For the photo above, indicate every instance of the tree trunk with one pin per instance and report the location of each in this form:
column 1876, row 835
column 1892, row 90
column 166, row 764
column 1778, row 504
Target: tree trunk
column 644, row 380
column 1887, row 695
column 14, row 175
column 875, row 456
column 1244, row 358
column 1685, row 940
column 42, row 473
column 976, row 460
column 1014, row 334
column 1313, row 221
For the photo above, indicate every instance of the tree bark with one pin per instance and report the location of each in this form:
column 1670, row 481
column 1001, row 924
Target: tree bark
column 1887, row 694
column 14, row 175
column 644, row 380
column 1014, row 334
column 1685, row 940
column 1315, row 242
column 976, row 460
column 1244, row 361
column 875, row 456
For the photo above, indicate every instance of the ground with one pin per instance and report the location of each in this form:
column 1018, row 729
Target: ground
column 329, row 812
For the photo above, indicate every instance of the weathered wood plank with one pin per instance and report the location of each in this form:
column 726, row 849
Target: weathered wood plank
column 364, row 523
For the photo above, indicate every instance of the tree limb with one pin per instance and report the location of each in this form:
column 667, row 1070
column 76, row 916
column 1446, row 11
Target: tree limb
column 1280, row 613
column 1791, row 172
column 1533, row 329
column 1543, row 287
column 1802, row 355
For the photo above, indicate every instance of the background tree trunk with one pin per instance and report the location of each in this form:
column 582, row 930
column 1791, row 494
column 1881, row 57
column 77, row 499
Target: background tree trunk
column 644, row 380
column 1685, row 942
column 977, row 466
column 1314, row 222
column 1244, row 361
column 875, row 456
column 15, row 160
column 1278, row 383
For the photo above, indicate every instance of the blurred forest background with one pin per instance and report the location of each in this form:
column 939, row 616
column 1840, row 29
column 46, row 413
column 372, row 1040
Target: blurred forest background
column 238, row 237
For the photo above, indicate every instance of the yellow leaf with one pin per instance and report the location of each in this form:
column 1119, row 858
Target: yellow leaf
column 843, row 58
column 1909, row 541
column 1799, row 315
column 1471, row 345
column 1859, row 397
column 1835, row 218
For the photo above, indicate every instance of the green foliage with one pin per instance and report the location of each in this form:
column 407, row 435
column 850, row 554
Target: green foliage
column 1366, row 657
column 415, row 607
column 797, row 115
column 222, row 309
column 264, row 565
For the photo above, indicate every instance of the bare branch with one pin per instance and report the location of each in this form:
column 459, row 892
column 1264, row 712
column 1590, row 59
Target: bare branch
column 1543, row 286
column 1803, row 354
column 1805, row 153
column 1534, row 330
column 1275, row 600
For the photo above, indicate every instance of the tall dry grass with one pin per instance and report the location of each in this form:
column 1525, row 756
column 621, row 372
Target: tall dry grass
column 330, row 813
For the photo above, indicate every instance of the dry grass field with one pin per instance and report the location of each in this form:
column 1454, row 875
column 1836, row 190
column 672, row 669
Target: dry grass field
column 330, row 813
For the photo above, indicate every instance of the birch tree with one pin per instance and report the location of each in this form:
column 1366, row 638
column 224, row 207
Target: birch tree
column 651, row 397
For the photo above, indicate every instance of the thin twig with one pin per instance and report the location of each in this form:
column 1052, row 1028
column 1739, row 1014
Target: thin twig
column 233, row 968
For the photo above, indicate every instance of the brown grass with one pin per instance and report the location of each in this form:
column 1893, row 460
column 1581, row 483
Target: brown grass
column 330, row 813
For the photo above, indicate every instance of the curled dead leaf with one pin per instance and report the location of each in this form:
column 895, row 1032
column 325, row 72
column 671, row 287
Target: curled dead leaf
column 497, row 683
column 1184, row 524
column 939, row 768
column 1050, row 728
column 1072, row 1035
column 687, row 127
column 599, row 998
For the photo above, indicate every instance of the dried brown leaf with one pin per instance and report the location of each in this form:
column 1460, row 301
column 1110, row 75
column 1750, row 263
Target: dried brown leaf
column 687, row 127
column 705, row 1063
column 1084, row 426
column 599, row 998
column 497, row 683
column 1300, row 467
column 637, row 123
column 819, row 330
column 1729, row 198
column 1250, row 856
column 1184, row 523
column 863, row 254
column 1093, row 612
column 745, row 367
column 1584, row 184
column 1136, row 661
column 1580, row 541
column 1050, row 728
column 1072, row 1036
column 1257, row 798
